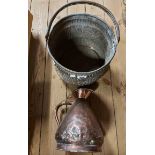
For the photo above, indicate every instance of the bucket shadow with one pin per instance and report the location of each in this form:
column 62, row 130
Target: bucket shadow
column 32, row 116
column 36, row 85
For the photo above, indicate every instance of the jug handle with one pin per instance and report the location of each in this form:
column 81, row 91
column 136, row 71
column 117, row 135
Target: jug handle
column 117, row 31
column 57, row 109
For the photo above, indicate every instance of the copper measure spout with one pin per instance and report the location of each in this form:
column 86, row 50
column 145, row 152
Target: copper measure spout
column 83, row 92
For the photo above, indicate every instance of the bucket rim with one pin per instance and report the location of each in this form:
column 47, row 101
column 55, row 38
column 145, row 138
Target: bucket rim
column 73, row 71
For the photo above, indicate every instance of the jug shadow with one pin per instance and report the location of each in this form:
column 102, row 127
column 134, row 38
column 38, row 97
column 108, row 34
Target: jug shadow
column 103, row 115
column 37, row 112
column 118, row 84
column 101, row 111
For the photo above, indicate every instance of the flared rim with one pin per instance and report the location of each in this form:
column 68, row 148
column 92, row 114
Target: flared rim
column 78, row 148
column 73, row 71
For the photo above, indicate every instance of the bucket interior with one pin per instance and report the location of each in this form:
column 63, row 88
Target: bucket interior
column 81, row 43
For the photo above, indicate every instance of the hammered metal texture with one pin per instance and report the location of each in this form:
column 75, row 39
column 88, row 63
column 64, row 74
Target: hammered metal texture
column 82, row 47
column 79, row 130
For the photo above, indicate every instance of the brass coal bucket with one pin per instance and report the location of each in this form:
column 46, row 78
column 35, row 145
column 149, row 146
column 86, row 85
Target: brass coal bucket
column 79, row 131
column 82, row 45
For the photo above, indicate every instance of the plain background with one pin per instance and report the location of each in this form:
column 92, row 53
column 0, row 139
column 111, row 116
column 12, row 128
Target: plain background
column 140, row 109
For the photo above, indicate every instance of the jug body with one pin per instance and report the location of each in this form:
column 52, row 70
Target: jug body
column 79, row 131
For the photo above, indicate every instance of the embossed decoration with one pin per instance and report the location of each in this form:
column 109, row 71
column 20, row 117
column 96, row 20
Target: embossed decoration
column 82, row 45
column 79, row 131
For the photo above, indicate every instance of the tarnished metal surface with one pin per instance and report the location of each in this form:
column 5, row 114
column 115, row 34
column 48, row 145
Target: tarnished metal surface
column 80, row 131
column 82, row 45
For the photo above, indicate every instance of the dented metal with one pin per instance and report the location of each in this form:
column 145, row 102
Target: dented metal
column 82, row 45
column 79, row 131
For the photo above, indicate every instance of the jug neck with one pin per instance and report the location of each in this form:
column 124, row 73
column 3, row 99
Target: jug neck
column 83, row 93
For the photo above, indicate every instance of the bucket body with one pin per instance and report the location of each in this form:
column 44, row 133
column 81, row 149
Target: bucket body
column 81, row 46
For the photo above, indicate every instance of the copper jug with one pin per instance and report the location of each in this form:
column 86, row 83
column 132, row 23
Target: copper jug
column 79, row 131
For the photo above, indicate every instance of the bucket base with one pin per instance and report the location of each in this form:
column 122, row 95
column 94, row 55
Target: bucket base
column 78, row 148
